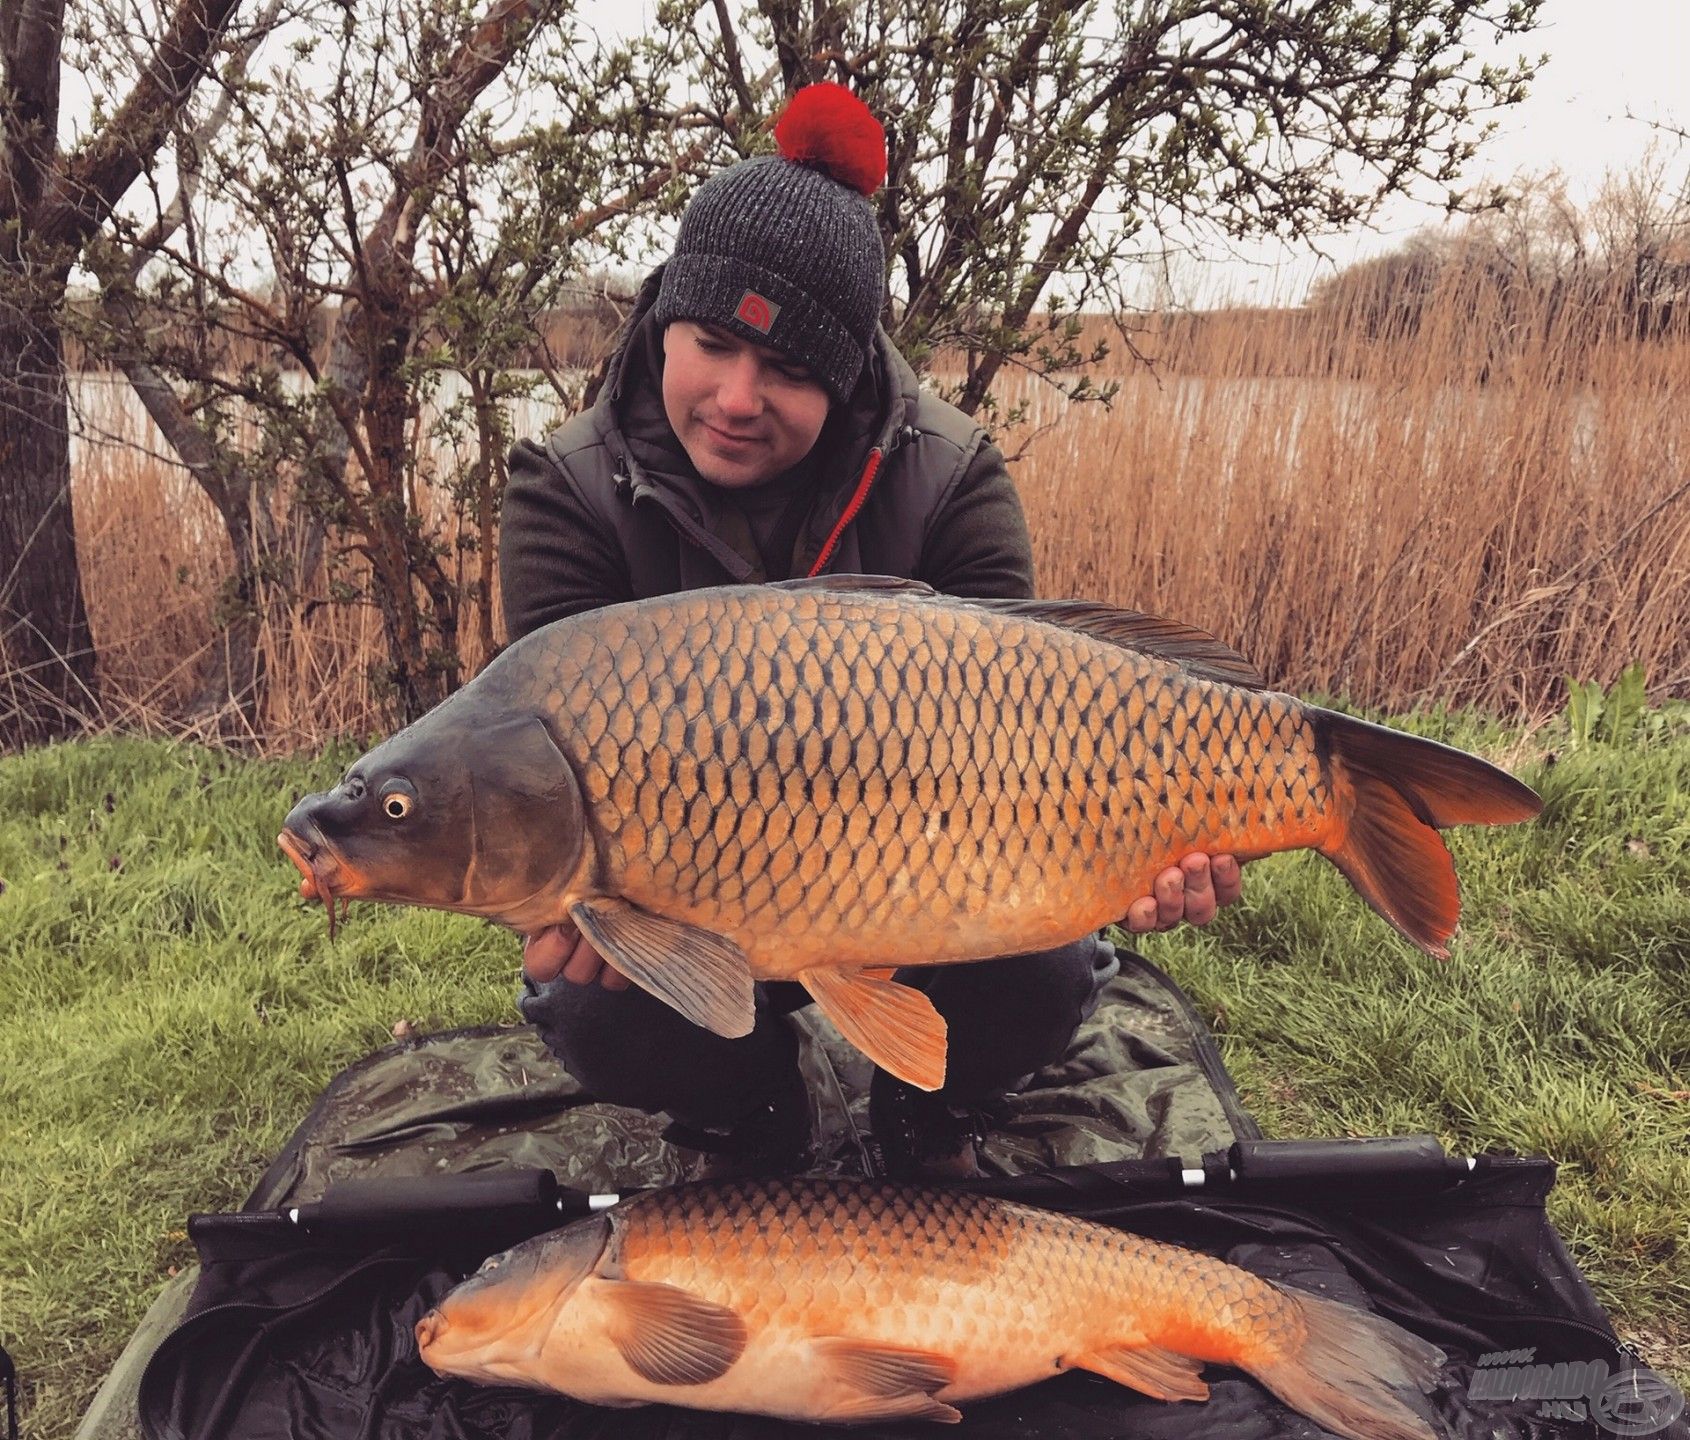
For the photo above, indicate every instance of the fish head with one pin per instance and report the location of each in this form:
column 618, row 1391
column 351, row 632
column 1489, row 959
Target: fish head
column 453, row 813
column 494, row 1326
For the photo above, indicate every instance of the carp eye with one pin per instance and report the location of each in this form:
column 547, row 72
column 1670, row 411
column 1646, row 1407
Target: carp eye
column 398, row 800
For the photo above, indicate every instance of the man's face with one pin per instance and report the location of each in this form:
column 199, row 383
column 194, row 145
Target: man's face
column 744, row 413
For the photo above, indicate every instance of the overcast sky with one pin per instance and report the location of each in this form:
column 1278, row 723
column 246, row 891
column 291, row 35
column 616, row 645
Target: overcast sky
column 1606, row 58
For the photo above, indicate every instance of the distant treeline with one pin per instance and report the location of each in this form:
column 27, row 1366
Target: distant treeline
column 1617, row 265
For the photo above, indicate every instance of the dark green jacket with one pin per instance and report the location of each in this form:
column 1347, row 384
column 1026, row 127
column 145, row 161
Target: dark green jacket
column 608, row 508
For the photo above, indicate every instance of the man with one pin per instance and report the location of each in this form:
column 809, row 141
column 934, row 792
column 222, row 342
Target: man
column 757, row 424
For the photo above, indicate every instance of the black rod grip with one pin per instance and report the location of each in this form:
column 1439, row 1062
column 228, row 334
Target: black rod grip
column 1412, row 1163
column 1080, row 1187
column 431, row 1202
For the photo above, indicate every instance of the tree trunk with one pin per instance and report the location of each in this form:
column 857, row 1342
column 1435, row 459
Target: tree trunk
column 47, row 686
column 233, row 679
column 234, row 673
column 491, row 477
column 398, row 567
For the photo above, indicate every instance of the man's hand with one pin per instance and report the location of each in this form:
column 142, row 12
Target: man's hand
column 1191, row 891
column 564, row 950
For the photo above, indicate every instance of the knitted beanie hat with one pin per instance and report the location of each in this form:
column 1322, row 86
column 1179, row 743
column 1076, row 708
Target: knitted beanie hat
column 783, row 250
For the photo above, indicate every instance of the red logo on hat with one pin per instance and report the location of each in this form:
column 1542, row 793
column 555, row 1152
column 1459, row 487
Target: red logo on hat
column 757, row 312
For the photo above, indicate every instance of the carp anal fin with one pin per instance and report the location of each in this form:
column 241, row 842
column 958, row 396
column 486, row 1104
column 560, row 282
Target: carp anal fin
column 1402, row 790
column 894, row 1025
column 1149, row 1369
column 703, row 975
column 888, row 1381
column 670, row 1337
column 1195, row 651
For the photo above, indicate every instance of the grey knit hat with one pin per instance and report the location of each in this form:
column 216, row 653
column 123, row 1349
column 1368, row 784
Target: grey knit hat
column 783, row 250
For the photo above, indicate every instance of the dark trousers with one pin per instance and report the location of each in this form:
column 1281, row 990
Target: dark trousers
column 1007, row 1018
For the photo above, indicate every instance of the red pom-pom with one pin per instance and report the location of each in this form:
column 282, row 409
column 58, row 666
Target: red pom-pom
column 826, row 126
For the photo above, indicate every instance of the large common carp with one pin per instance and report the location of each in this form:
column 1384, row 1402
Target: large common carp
column 851, row 1301
column 823, row 780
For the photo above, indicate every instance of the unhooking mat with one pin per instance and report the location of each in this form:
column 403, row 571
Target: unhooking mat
column 1142, row 1078
column 314, row 1341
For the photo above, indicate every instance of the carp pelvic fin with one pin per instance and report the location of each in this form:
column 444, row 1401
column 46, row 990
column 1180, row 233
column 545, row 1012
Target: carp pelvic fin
column 703, row 975
column 889, row 1382
column 670, row 1337
column 895, row 1026
column 1149, row 1369
column 1402, row 790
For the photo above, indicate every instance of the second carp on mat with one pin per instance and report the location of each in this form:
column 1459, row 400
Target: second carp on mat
column 849, row 1301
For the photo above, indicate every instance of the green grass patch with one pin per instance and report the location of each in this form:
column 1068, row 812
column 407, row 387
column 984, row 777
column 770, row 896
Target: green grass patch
column 172, row 1009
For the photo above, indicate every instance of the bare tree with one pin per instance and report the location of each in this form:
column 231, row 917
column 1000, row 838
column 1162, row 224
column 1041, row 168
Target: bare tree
column 1036, row 140
column 420, row 187
column 52, row 202
column 1542, row 266
column 385, row 219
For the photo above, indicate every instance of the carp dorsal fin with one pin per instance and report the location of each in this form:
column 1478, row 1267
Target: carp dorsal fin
column 884, row 584
column 669, row 1336
column 1196, row 651
column 894, row 1025
column 703, row 975
column 884, row 1382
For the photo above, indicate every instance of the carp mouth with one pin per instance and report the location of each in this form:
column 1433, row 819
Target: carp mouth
column 430, row 1328
column 325, row 876
column 472, row 1352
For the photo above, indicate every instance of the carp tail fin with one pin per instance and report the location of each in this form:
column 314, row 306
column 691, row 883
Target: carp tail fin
column 1351, row 1371
column 1402, row 790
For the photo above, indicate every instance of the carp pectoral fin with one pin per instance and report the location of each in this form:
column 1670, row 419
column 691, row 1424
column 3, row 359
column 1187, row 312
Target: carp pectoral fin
column 1149, row 1369
column 887, row 1381
column 670, row 1337
column 895, row 1026
column 703, row 975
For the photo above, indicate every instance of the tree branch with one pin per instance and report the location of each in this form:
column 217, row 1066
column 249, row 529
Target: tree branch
column 86, row 185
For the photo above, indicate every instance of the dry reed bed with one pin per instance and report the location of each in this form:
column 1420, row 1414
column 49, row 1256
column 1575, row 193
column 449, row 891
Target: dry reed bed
column 1374, row 520
column 1465, row 510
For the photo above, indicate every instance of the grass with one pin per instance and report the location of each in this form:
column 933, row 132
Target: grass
column 172, row 1009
